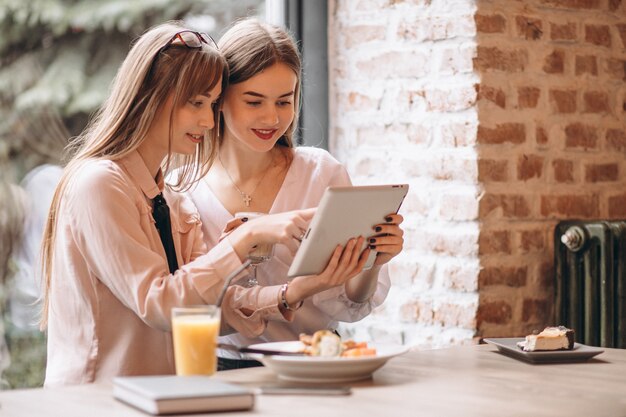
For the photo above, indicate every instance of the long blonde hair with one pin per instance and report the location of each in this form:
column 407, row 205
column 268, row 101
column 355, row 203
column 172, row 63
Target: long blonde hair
column 250, row 46
column 142, row 84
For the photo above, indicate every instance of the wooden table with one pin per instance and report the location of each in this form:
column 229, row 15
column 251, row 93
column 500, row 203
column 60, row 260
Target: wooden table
column 460, row 381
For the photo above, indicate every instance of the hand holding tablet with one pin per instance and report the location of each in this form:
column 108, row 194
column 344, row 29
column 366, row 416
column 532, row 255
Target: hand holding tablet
column 344, row 213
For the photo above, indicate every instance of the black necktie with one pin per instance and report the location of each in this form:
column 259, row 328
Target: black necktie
column 161, row 215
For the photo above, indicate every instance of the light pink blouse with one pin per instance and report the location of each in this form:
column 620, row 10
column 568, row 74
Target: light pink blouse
column 311, row 171
column 111, row 290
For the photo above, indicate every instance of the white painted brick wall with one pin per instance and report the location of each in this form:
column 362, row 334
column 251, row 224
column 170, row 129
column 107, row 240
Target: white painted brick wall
column 403, row 109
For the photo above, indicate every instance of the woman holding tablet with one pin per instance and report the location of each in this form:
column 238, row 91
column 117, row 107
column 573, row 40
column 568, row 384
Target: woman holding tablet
column 121, row 249
column 257, row 169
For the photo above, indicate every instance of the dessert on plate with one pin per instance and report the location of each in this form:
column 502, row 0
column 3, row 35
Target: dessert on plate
column 551, row 338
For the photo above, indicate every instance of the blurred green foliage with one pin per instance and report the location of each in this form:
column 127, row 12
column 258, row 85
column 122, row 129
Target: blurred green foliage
column 57, row 60
column 28, row 358
column 58, row 57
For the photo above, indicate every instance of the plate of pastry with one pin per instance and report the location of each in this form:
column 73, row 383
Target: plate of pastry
column 326, row 358
column 552, row 345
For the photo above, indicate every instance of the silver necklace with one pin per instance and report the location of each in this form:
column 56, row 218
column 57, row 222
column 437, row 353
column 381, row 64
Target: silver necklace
column 246, row 197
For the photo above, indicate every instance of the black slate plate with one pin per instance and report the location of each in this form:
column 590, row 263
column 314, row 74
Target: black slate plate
column 508, row 346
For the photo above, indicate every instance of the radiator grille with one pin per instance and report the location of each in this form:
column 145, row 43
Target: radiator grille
column 590, row 264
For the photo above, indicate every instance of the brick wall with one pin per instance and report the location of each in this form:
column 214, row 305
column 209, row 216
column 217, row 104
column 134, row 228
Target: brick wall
column 551, row 135
column 504, row 117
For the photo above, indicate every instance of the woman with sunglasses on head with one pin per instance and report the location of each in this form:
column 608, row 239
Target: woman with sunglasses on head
column 121, row 249
column 258, row 170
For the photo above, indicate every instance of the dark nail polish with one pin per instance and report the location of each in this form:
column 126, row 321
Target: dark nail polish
column 244, row 219
column 378, row 228
column 388, row 218
column 372, row 246
column 372, row 240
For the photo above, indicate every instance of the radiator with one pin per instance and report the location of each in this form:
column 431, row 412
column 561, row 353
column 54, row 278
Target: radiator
column 590, row 264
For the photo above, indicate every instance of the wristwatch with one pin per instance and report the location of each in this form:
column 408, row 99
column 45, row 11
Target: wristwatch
column 283, row 299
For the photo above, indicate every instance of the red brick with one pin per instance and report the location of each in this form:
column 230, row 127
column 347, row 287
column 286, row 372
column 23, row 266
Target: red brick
column 596, row 102
column 546, row 275
column 502, row 133
column 563, row 170
column 536, row 310
column 554, row 63
column 494, row 23
column 599, row 35
column 491, row 58
column 509, row 206
column 496, row 312
column 617, row 206
column 495, row 95
column 601, row 172
column 490, row 170
column 527, row 97
column 509, row 276
column 532, row 241
column 616, row 68
column 621, row 28
column 541, row 136
column 529, row 28
column 529, row 166
column 569, row 206
column 616, row 139
column 614, row 5
column 578, row 135
column 565, row 32
column 586, row 64
column 574, row 4
column 563, row 101
column 494, row 242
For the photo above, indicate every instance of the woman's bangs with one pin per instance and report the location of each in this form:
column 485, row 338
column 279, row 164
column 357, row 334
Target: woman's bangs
column 203, row 71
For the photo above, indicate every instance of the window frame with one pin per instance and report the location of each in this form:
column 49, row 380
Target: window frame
column 311, row 33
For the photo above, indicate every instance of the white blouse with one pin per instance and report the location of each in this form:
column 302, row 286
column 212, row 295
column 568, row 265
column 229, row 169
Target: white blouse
column 311, row 171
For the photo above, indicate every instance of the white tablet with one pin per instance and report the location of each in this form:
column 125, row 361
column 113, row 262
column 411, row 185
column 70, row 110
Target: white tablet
column 343, row 213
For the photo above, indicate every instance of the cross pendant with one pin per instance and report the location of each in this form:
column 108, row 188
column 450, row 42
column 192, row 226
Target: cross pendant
column 246, row 199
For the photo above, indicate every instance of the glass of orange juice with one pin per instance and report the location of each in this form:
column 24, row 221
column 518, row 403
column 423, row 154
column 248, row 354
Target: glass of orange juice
column 195, row 331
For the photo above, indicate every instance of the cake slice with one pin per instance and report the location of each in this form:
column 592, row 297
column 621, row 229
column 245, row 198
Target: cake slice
column 551, row 338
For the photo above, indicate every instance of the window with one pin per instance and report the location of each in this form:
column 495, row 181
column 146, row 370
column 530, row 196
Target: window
column 307, row 21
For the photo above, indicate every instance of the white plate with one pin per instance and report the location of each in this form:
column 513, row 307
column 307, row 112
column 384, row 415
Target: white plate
column 320, row 369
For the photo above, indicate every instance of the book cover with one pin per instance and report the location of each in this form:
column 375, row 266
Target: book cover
column 167, row 394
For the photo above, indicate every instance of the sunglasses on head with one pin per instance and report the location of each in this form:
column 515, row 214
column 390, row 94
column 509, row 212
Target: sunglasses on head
column 189, row 38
